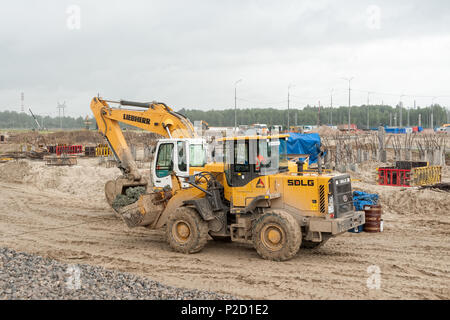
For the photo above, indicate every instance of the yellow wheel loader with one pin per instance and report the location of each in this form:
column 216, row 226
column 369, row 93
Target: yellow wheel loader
column 255, row 196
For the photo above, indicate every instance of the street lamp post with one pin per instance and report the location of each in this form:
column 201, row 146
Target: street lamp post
column 432, row 118
column 288, row 123
column 331, row 112
column 401, row 111
column 235, row 104
column 368, row 110
column 349, row 99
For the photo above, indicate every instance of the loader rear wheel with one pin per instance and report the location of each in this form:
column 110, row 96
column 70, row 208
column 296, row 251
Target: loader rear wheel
column 186, row 231
column 277, row 236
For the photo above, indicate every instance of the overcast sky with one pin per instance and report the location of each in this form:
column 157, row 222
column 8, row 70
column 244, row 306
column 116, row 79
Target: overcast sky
column 190, row 53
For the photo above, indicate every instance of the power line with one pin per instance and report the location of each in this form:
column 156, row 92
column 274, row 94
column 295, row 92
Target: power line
column 401, row 94
column 59, row 107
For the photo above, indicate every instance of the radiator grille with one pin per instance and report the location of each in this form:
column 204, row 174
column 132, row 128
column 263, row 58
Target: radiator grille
column 344, row 188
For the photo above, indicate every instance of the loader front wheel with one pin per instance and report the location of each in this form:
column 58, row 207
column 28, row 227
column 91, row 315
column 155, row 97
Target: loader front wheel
column 277, row 236
column 186, row 231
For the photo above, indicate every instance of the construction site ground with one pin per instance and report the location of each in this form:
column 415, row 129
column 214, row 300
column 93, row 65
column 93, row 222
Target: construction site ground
column 61, row 213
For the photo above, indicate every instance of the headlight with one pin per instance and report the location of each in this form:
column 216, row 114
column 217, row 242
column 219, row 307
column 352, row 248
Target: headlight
column 330, row 204
column 342, row 181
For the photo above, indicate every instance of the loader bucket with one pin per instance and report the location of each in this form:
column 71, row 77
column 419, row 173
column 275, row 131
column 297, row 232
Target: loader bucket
column 145, row 211
column 115, row 187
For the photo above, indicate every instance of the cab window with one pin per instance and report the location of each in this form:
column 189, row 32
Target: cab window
column 197, row 155
column 164, row 162
column 182, row 162
column 263, row 154
column 241, row 160
column 282, row 151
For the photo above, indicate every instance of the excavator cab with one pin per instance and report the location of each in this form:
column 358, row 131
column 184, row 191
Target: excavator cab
column 177, row 156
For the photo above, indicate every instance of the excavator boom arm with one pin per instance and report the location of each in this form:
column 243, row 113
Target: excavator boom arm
column 157, row 118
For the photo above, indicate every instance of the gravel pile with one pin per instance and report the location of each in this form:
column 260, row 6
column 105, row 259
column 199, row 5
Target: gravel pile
column 132, row 195
column 26, row 276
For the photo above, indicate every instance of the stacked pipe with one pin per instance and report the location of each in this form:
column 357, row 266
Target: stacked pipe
column 75, row 149
column 89, row 151
column 51, row 149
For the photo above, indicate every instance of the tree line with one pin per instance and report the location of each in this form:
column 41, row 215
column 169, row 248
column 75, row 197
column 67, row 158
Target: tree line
column 21, row 120
column 378, row 115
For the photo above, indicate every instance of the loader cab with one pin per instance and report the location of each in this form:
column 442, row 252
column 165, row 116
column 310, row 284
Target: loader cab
column 176, row 156
column 250, row 157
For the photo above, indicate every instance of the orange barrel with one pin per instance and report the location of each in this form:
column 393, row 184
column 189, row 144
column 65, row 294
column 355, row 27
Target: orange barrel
column 373, row 219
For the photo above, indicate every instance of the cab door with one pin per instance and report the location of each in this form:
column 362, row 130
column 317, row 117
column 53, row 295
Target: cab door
column 163, row 165
column 182, row 159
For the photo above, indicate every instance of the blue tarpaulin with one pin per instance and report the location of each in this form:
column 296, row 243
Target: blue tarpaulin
column 299, row 143
column 362, row 199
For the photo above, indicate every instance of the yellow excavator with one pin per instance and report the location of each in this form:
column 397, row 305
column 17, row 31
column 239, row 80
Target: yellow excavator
column 254, row 196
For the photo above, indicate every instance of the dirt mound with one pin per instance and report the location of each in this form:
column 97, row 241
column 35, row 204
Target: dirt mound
column 14, row 171
column 60, row 137
column 86, row 180
column 325, row 131
column 408, row 201
column 79, row 137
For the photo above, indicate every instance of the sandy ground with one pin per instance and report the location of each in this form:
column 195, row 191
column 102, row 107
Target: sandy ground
column 61, row 213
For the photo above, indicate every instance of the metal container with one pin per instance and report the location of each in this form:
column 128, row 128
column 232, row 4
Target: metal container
column 373, row 219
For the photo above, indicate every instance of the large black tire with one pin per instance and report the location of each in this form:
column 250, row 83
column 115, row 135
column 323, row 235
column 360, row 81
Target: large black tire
column 277, row 236
column 186, row 231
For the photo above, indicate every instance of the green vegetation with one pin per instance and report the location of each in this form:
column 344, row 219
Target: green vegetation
column 379, row 115
column 16, row 120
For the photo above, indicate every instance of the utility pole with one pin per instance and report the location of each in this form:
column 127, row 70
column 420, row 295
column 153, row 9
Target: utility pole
column 318, row 117
column 448, row 115
column 408, row 116
column 22, row 98
column 235, row 104
column 415, row 108
column 331, row 112
column 349, row 99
